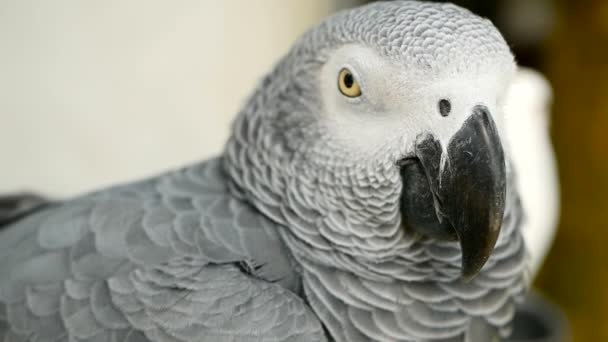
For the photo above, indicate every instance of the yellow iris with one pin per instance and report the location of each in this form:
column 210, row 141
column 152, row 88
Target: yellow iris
column 348, row 84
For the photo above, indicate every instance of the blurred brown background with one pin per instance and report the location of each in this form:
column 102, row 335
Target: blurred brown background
column 575, row 59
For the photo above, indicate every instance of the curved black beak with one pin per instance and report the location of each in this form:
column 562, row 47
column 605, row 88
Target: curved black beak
column 465, row 189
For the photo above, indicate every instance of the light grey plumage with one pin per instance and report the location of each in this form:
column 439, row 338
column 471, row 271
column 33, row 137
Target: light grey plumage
column 158, row 259
column 296, row 232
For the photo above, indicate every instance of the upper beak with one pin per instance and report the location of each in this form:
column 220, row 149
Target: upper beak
column 467, row 187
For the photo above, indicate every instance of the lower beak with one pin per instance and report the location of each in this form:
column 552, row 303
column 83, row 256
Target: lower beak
column 466, row 189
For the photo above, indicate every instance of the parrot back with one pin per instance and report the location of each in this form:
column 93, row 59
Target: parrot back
column 171, row 253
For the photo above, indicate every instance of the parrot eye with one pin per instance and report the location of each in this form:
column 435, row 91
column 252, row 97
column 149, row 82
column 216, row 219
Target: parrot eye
column 348, row 85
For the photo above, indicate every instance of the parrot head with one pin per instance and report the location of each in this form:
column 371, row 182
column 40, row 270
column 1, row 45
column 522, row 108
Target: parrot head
column 380, row 127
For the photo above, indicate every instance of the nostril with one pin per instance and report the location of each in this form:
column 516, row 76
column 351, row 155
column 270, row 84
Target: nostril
column 445, row 107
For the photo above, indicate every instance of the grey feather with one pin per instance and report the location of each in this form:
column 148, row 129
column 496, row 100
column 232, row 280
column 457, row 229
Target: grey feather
column 144, row 257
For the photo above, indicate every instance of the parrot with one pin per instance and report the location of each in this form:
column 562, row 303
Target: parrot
column 366, row 193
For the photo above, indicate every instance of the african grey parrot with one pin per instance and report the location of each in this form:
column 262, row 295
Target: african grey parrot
column 363, row 195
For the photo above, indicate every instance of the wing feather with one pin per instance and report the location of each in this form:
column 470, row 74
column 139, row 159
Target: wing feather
column 154, row 260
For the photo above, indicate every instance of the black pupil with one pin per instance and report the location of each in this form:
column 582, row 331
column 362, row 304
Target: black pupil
column 445, row 107
column 348, row 80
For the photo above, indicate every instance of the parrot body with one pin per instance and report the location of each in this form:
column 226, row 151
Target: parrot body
column 364, row 195
column 132, row 261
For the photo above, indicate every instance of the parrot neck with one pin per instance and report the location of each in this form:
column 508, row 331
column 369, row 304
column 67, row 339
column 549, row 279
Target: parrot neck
column 421, row 300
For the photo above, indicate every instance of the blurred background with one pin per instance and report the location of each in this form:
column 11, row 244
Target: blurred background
column 104, row 91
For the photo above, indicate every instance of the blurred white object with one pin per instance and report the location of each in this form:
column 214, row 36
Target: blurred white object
column 527, row 121
column 104, row 91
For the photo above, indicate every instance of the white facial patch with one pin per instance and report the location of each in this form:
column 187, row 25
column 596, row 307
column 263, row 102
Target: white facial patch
column 398, row 104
